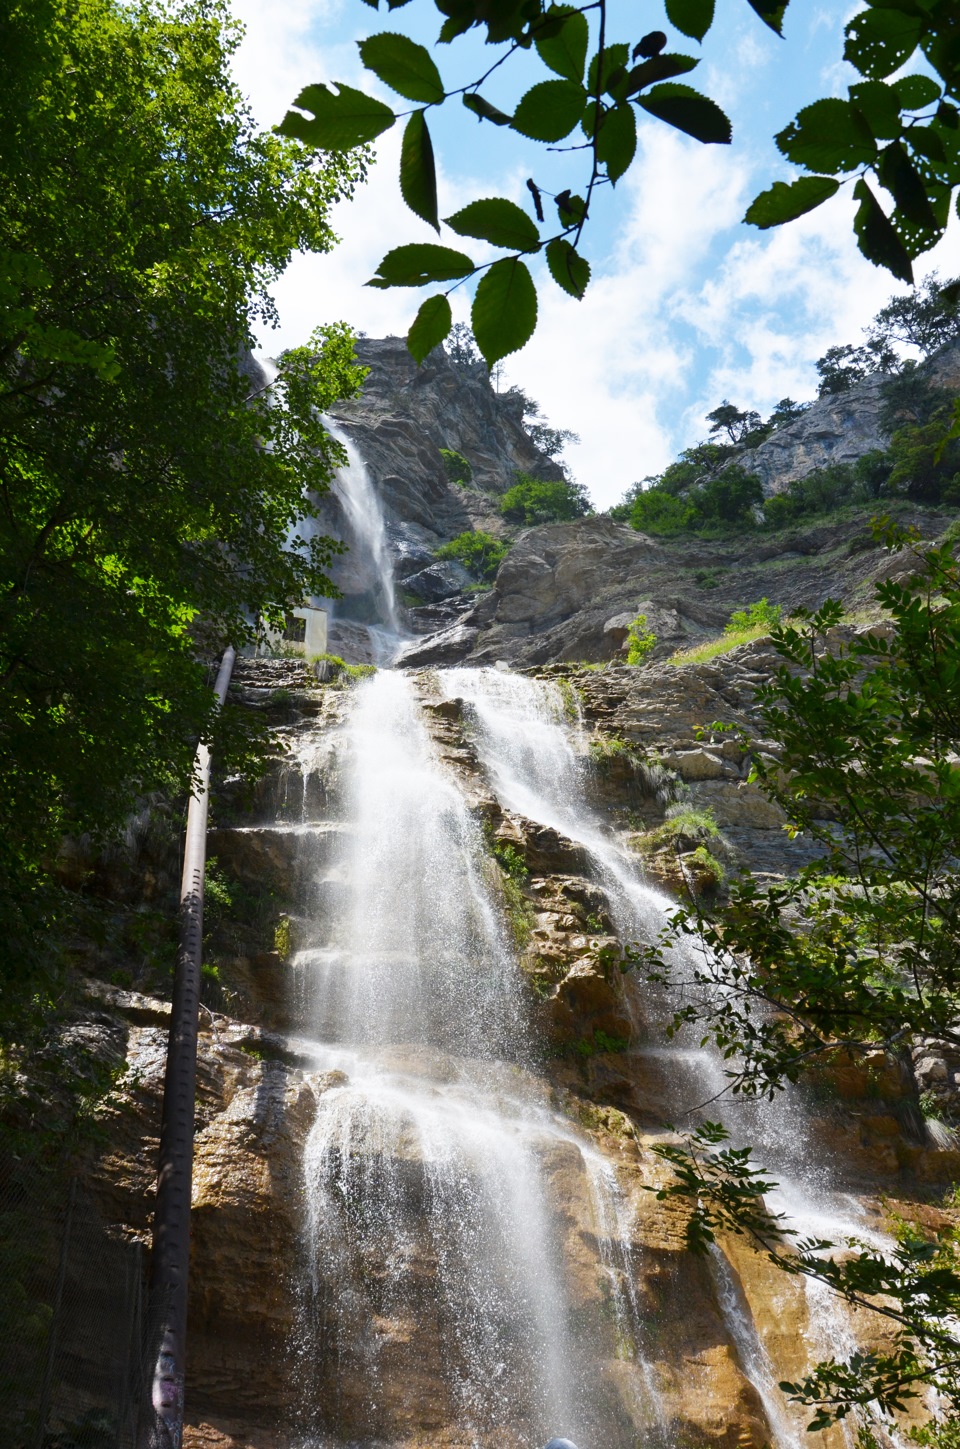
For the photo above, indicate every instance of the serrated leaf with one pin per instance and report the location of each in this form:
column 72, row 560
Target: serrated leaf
column 831, row 135
column 403, row 65
column 497, row 220
column 617, row 141
column 926, row 142
column 418, row 173
column 658, row 68
column 504, row 312
column 565, row 52
column 419, row 263
column 879, row 41
column 771, row 12
column 550, row 110
column 879, row 103
column 568, row 268
column 615, row 57
column 877, row 237
column 485, row 110
column 570, row 209
column 785, row 201
column 452, row 27
column 916, row 91
column 900, row 177
column 691, row 17
column 430, row 326
column 341, row 120
column 687, row 110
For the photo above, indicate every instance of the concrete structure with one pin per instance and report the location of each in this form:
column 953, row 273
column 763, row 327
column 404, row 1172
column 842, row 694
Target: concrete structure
column 305, row 632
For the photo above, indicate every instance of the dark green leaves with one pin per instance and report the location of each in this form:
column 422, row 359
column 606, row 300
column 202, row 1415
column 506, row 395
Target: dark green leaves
column 771, row 12
column 342, row 119
column 498, row 221
column 566, row 51
column 686, row 109
column 418, row 174
column 879, row 41
column 504, row 309
column 658, row 68
column 549, row 111
column 422, row 262
column 485, row 110
column 403, row 65
column 879, row 103
column 615, row 58
column 831, row 135
column 617, row 141
column 430, row 327
column 785, row 202
column 877, row 237
column 567, row 268
column 902, row 180
column 691, row 17
column 916, row 91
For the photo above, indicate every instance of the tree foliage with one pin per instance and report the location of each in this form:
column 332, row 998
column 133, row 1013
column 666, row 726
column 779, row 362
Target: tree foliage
column 148, row 503
column 480, row 553
column 532, row 501
column 898, row 139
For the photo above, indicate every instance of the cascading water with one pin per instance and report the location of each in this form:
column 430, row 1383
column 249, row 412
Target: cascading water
column 526, row 749
column 435, row 1238
column 368, row 535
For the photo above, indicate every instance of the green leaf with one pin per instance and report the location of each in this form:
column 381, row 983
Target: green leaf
column 879, row 41
column 570, row 209
column 566, row 52
column 771, row 12
column 916, row 91
column 342, row 119
column 831, row 135
column 504, row 309
column 485, row 110
column 785, row 201
column 418, row 174
column 658, row 68
column 567, row 268
column 877, row 237
column 430, row 327
column 419, row 263
column 496, row 220
column 691, row 17
column 686, row 109
column 615, row 57
column 901, row 178
column 880, row 105
column 549, row 111
column 403, row 65
column 617, row 141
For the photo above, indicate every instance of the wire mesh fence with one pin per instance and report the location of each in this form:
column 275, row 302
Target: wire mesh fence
column 76, row 1338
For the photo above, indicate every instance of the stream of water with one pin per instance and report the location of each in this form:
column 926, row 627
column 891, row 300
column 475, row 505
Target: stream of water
column 470, row 1261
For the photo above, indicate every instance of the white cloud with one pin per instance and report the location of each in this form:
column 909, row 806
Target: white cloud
column 685, row 307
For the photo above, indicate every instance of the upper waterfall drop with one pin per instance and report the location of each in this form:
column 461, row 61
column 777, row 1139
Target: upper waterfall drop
column 364, row 514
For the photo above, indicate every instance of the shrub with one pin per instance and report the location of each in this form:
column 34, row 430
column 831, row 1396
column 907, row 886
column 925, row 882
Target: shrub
column 530, row 501
column 728, row 497
column 456, row 467
column 762, row 615
column 640, row 640
column 480, row 553
column 658, row 511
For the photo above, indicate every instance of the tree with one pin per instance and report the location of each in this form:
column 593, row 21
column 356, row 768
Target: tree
column 730, row 496
column 461, row 346
column 149, row 504
column 656, row 510
column 480, row 553
column 899, row 136
column 927, row 318
column 859, row 952
column 730, row 420
column 841, row 368
column 531, row 501
column 550, row 441
column 786, row 412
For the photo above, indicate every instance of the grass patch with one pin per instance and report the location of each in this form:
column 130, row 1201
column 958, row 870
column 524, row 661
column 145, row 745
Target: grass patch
column 711, row 648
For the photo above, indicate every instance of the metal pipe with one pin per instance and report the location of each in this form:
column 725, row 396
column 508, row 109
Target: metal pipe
column 170, row 1260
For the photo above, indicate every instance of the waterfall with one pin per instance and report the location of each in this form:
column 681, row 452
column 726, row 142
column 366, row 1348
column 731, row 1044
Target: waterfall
column 526, row 746
column 438, row 1247
column 364, row 514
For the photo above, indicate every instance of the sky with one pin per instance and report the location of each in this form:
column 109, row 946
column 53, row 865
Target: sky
column 687, row 306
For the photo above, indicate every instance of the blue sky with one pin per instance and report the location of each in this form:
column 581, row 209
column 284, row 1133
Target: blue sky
column 686, row 305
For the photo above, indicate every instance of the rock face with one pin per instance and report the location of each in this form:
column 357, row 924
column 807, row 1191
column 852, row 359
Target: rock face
column 407, row 413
